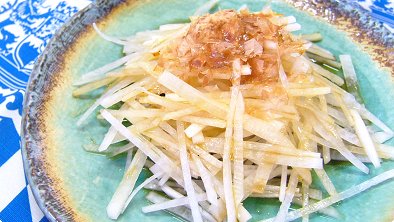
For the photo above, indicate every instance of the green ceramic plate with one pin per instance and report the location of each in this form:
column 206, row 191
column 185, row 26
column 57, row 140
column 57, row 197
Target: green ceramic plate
column 73, row 185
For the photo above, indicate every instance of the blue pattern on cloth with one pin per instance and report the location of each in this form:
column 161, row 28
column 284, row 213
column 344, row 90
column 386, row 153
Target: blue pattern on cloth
column 381, row 10
column 25, row 28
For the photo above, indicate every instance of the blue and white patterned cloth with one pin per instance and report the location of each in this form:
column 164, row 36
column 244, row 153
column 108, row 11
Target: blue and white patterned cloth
column 25, row 28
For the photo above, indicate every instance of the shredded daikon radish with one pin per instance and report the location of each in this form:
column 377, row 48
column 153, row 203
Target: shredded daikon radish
column 365, row 138
column 127, row 133
column 109, row 136
column 228, row 144
column 162, row 101
column 164, row 180
column 182, row 212
column 96, row 104
column 205, row 121
column 314, row 37
column 218, row 118
column 340, row 196
column 121, row 149
column 117, row 97
column 207, row 180
column 129, row 157
column 180, row 113
column 284, row 207
column 321, row 71
column 137, row 189
column 171, row 192
column 292, row 27
column 326, row 181
column 119, row 199
column 198, row 138
column 325, row 61
column 382, row 137
column 194, row 96
column 264, row 129
column 176, row 195
column 329, row 211
column 243, row 214
column 92, row 86
column 98, row 73
column 205, row 7
column 192, row 199
column 261, row 178
column 283, row 181
column 208, row 159
column 148, row 148
column 384, row 151
column 172, row 203
column 211, row 144
column 337, row 156
column 309, row 92
column 351, row 102
column 238, row 150
column 326, row 155
column 193, row 130
column 108, row 38
column 315, row 49
column 350, row 76
column 304, row 174
column 340, row 146
column 305, row 200
column 339, row 116
column 283, row 77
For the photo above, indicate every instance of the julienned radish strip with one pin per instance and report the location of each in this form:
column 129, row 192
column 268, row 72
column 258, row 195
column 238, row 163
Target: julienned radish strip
column 183, row 155
column 339, row 197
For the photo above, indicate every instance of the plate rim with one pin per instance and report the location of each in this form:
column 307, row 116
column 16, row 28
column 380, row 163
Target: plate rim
column 92, row 12
column 30, row 138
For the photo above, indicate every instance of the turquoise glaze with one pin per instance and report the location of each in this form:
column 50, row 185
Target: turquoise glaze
column 91, row 179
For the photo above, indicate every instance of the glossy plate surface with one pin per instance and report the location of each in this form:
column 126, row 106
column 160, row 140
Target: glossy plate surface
column 72, row 184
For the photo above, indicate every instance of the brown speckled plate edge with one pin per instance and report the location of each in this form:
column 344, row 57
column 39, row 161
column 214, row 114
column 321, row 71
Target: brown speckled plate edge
column 41, row 81
column 348, row 17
